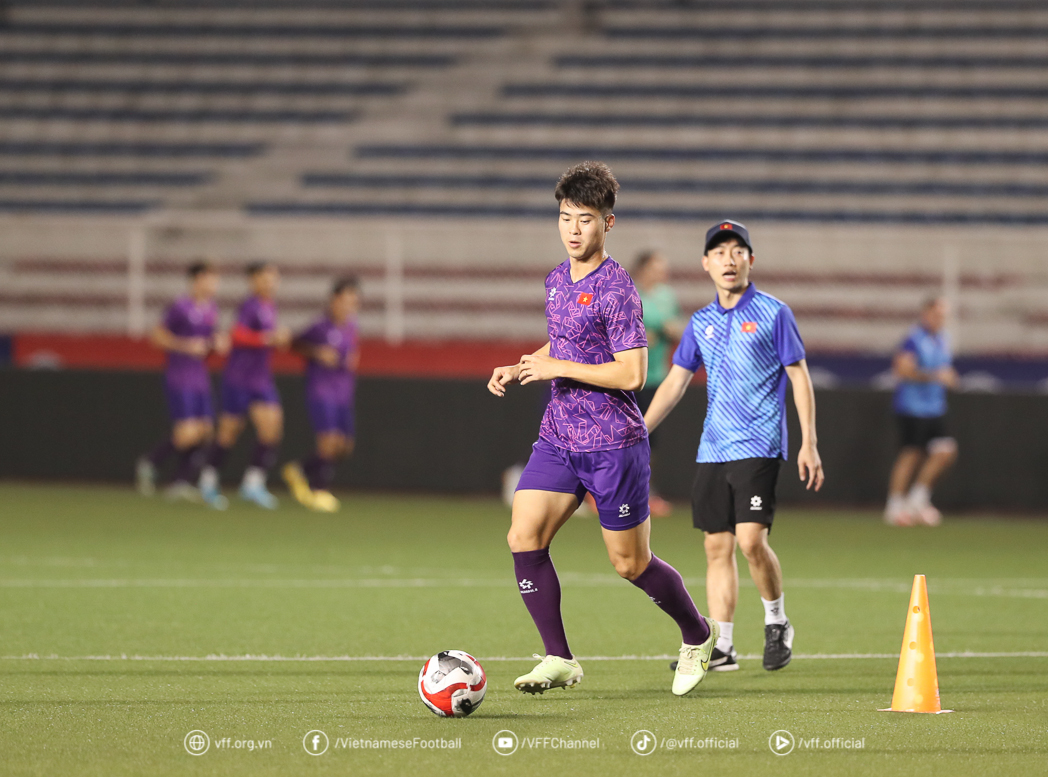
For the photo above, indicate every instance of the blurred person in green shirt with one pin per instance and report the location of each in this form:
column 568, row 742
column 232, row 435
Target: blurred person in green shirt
column 664, row 326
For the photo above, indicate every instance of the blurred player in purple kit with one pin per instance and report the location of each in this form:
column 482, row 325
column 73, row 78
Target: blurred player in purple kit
column 187, row 335
column 248, row 391
column 332, row 350
column 592, row 437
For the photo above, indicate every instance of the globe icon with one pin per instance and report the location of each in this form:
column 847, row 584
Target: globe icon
column 196, row 742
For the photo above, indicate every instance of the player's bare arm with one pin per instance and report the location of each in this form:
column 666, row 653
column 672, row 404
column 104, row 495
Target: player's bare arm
column 669, row 393
column 809, row 463
column 504, row 376
column 165, row 340
column 627, row 372
column 904, row 365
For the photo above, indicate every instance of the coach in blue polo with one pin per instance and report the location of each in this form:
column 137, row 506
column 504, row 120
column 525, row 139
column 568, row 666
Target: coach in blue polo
column 749, row 344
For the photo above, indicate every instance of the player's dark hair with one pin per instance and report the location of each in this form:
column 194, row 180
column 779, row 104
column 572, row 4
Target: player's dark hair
column 724, row 237
column 346, row 283
column 196, row 269
column 931, row 301
column 588, row 183
column 254, row 268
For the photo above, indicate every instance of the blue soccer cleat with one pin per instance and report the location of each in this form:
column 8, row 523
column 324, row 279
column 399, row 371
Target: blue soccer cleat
column 258, row 494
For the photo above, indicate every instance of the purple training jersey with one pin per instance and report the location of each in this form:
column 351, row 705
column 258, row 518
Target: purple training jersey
column 588, row 322
column 249, row 363
column 188, row 318
column 331, row 384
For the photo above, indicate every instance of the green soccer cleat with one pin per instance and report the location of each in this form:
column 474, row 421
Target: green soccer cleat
column 551, row 672
column 694, row 661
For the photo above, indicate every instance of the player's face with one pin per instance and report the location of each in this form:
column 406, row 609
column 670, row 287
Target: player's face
column 264, row 283
column 205, row 285
column 729, row 265
column 583, row 230
column 344, row 305
column 656, row 271
column 934, row 316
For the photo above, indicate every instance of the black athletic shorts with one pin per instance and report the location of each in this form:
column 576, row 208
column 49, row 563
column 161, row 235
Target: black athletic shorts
column 731, row 492
column 917, row 432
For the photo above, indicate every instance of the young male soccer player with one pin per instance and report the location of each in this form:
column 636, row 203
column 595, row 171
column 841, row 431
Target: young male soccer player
column 923, row 365
column 248, row 390
column 187, row 334
column 749, row 343
column 592, row 437
column 331, row 348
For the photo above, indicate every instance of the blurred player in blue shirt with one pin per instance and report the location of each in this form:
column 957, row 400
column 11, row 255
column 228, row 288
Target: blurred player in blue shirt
column 331, row 348
column 923, row 365
column 749, row 343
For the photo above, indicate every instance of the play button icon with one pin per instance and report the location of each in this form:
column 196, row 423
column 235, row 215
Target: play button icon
column 781, row 742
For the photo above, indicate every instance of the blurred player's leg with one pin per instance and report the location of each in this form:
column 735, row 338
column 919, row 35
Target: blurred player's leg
column 268, row 420
column 897, row 512
column 229, row 428
column 942, row 453
column 147, row 466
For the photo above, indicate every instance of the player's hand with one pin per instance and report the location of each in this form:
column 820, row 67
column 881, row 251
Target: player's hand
column 327, row 356
column 502, row 377
column 196, row 346
column 947, row 376
column 281, row 337
column 220, row 343
column 535, row 367
column 809, row 465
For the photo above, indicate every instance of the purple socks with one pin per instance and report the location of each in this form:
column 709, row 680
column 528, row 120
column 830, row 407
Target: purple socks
column 319, row 471
column 664, row 586
column 161, row 452
column 264, row 456
column 189, row 463
column 216, row 457
column 540, row 588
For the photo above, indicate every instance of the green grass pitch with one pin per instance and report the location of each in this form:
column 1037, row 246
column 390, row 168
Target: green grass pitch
column 108, row 602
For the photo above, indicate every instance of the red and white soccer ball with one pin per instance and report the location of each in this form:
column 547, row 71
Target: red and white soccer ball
column 452, row 684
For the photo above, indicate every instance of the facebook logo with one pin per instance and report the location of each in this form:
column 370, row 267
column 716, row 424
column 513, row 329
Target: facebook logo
column 315, row 742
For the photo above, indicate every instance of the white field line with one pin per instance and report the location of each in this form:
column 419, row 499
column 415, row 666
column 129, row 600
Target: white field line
column 343, row 659
column 951, row 587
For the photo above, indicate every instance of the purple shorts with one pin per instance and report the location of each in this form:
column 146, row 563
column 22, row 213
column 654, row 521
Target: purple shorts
column 618, row 479
column 330, row 417
column 186, row 403
column 237, row 399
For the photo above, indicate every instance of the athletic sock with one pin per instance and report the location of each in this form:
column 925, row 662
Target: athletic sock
column 920, row 496
column 774, row 611
column 216, row 457
column 188, row 464
column 319, row 471
column 264, row 456
column 540, row 589
column 254, row 477
column 896, row 504
column 161, row 452
column 724, row 641
column 664, row 586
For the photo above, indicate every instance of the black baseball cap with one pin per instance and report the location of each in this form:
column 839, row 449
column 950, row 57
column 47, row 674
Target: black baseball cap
column 732, row 227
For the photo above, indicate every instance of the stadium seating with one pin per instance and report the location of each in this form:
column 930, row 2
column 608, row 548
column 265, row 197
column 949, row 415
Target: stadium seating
column 862, row 117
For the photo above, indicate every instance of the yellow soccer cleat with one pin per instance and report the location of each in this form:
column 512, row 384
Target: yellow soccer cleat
column 551, row 672
column 325, row 502
column 694, row 661
column 297, row 483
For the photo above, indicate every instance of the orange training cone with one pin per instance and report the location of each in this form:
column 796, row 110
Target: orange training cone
column 917, row 683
